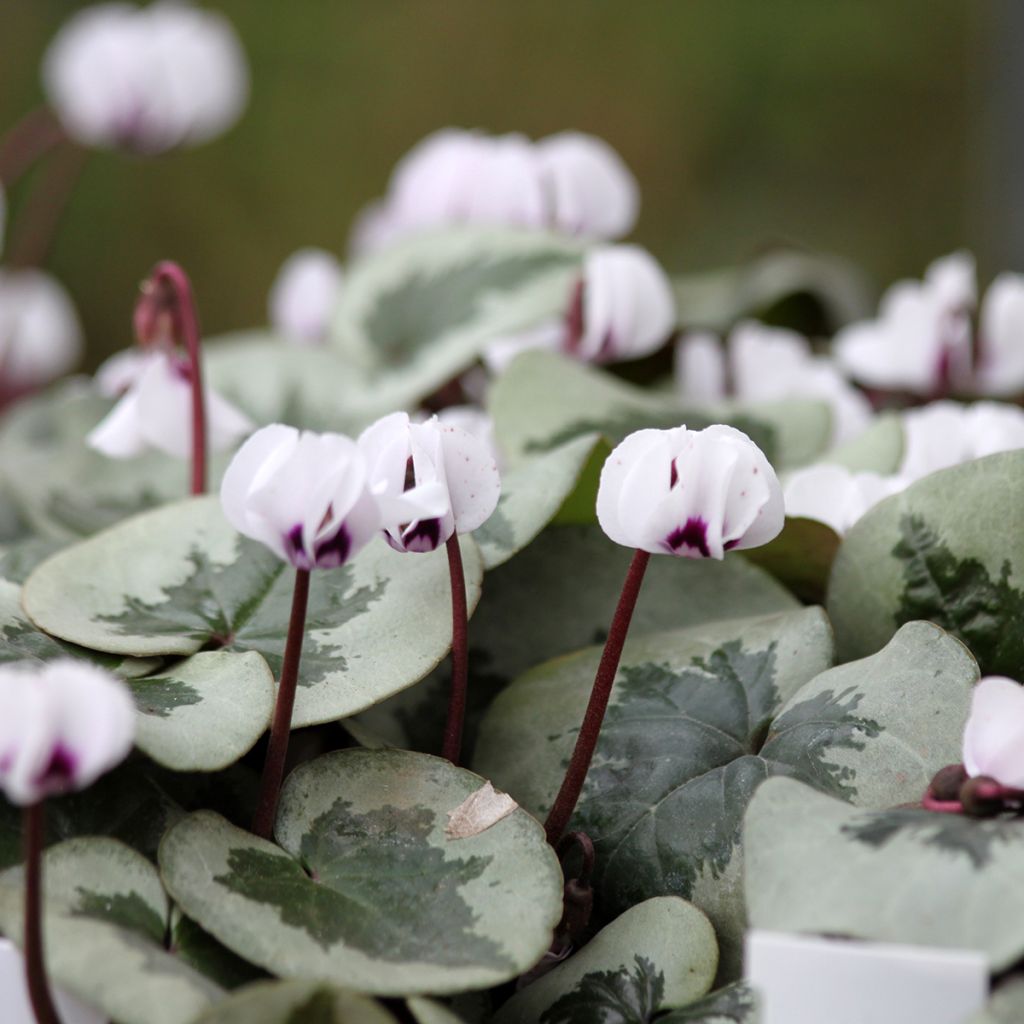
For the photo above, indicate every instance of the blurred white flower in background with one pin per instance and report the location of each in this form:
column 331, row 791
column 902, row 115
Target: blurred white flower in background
column 571, row 182
column 999, row 369
column 146, row 79
column 40, row 336
column 835, row 496
column 304, row 295
column 622, row 307
column 761, row 363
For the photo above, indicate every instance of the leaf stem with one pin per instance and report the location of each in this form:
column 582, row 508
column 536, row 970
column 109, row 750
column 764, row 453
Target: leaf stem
column 452, row 745
column 277, row 749
column 170, row 276
column 35, row 965
column 586, row 741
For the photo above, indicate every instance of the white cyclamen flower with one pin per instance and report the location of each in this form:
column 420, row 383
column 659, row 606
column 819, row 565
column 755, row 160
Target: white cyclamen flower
column 994, row 735
column 116, row 374
column 475, row 422
column 571, row 182
column 692, row 493
column 304, row 295
column 921, row 339
column 156, row 412
column 999, row 370
column 430, row 480
column 304, row 495
column 836, row 497
column 40, row 336
column 62, row 725
column 768, row 364
column 146, row 79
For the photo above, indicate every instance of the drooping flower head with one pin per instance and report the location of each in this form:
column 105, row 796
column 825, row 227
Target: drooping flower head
column 40, row 336
column 304, row 495
column 155, row 409
column 146, row 79
column 430, row 480
column 304, row 295
column 691, row 493
column 994, row 734
column 62, row 724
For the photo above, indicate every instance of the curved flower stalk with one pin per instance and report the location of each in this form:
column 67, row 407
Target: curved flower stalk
column 62, row 725
column 761, row 363
column 570, row 182
column 147, row 79
column 163, row 392
column 622, row 307
column 693, row 494
column 40, row 334
column 304, row 295
column 433, row 481
column 306, row 497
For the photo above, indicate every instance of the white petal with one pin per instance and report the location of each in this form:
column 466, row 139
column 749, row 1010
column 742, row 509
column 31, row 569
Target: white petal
column 766, row 360
column 474, row 483
column 934, row 438
column 304, row 296
column 119, row 434
column 993, row 427
column 994, row 735
column 165, row 407
column 118, row 373
column 826, row 493
column 593, row 193
column 1001, row 338
column 700, row 367
column 28, row 733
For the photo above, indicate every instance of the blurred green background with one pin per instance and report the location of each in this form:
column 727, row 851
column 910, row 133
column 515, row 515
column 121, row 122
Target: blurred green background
column 870, row 130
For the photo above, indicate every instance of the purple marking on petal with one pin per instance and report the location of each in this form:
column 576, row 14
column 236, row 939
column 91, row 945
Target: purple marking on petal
column 7, row 761
column 730, row 544
column 410, row 475
column 694, row 534
column 673, row 476
column 60, row 770
column 424, row 536
column 294, row 547
column 333, row 551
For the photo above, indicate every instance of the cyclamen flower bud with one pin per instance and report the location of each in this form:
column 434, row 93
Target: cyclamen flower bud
column 304, row 294
column 146, row 79
column 155, row 409
column 692, row 493
column 304, row 495
column 430, row 479
column 62, row 725
column 994, row 734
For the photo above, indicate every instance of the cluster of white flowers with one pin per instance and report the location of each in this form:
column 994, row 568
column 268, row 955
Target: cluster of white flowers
column 571, row 182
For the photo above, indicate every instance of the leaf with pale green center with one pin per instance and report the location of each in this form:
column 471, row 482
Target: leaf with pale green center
column 296, row 1002
column 660, row 953
column 699, row 718
column 556, row 596
column 948, row 549
column 105, row 921
column 179, row 579
column 907, row 875
column 533, row 493
column 419, row 313
column 367, row 890
column 544, row 400
column 205, row 712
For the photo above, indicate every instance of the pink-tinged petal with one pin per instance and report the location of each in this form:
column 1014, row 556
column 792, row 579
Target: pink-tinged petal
column 304, row 295
column 118, row 373
column 1000, row 369
column 472, row 477
column 508, row 189
column 28, row 734
column 119, row 434
column 592, row 192
column 614, row 474
column 700, row 367
column 994, row 734
column 952, row 280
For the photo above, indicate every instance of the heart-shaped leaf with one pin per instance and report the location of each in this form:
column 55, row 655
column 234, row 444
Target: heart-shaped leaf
column 105, row 921
column 180, row 579
column 948, row 549
column 815, row 864
column 556, row 596
column 202, row 951
column 533, row 492
column 369, row 891
column 660, row 953
column 699, row 718
column 296, row 1002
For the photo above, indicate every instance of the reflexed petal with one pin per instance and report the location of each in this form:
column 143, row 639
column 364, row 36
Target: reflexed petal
column 118, row 373
column 474, row 483
column 165, row 407
column 700, row 367
column 994, row 735
column 119, row 434
column 614, row 474
column 304, row 294
column 934, row 437
column 260, row 455
column 1001, row 338
column 826, row 493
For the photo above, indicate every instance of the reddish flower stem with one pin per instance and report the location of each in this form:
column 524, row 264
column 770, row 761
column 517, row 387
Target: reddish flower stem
column 452, row 746
column 277, row 749
column 586, row 741
column 35, row 965
column 169, row 277
column 30, row 138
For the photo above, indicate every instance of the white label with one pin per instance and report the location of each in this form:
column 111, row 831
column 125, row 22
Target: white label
column 805, row 979
column 14, row 995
